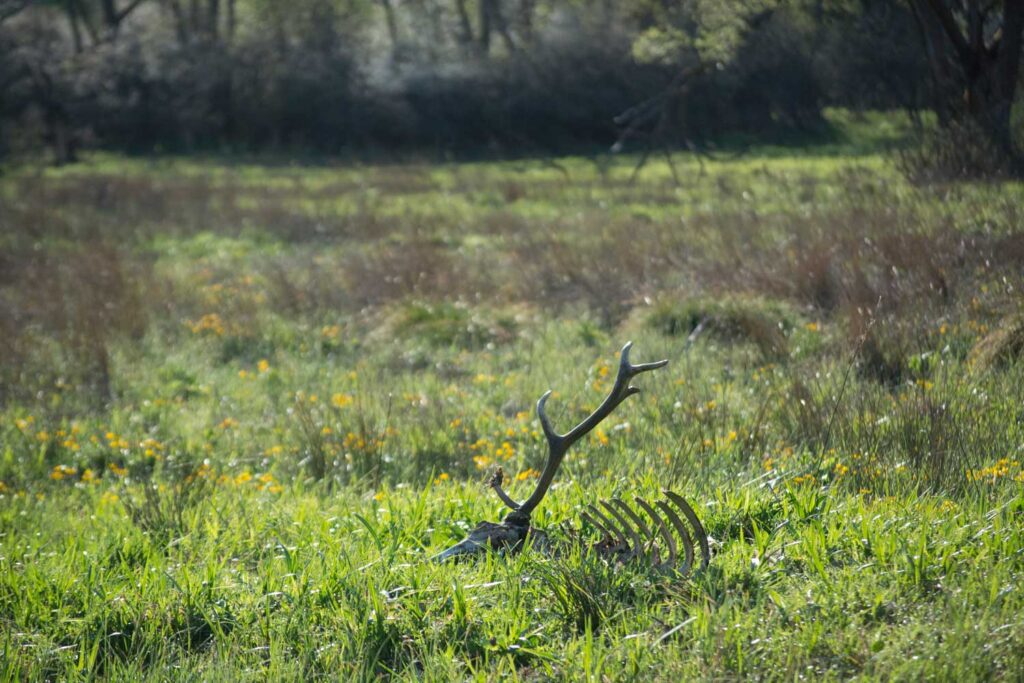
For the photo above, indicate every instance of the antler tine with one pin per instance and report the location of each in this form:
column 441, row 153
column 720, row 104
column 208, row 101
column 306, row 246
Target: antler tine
column 621, row 390
column 495, row 483
column 558, row 444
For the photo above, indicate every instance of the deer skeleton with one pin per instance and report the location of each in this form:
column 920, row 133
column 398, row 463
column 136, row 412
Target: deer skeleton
column 626, row 534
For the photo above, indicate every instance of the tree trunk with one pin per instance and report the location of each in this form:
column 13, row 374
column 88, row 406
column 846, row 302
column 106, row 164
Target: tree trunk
column 60, row 136
column 392, row 24
column 76, row 32
column 485, row 26
column 985, row 69
column 465, row 27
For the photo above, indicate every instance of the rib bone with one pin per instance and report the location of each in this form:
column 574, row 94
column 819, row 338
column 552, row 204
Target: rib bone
column 630, row 536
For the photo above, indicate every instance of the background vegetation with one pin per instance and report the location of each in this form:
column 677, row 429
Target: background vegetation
column 438, row 77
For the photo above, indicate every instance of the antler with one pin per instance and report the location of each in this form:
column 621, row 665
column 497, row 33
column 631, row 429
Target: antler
column 559, row 444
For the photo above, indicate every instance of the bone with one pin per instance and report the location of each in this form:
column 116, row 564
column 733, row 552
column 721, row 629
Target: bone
column 683, row 534
column 670, row 542
column 691, row 516
column 638, row 544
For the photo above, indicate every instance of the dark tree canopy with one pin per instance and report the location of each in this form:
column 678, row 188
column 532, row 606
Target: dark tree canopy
column 504, row 77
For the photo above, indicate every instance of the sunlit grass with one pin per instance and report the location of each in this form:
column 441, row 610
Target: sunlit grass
column 242, row 404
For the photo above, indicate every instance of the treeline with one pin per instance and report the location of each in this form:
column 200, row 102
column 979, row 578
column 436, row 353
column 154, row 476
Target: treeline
column 501, row 77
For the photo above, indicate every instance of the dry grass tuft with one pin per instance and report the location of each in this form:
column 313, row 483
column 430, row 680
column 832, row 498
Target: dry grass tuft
column 1001, row 346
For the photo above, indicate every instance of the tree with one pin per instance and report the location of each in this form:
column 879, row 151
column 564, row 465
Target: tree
column 974, row 50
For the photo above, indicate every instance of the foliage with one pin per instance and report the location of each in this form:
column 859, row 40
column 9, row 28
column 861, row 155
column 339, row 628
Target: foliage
column 483, row 77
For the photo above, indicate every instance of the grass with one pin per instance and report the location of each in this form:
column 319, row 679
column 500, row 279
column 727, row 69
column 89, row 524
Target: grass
column 241, row 405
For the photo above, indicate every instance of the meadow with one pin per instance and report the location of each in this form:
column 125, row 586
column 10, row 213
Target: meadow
column 242, row 403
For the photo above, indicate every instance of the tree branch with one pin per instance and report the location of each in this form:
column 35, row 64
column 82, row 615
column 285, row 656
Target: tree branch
column 952, row 30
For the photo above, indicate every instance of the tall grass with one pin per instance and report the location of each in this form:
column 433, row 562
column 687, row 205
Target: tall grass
column 241, row 405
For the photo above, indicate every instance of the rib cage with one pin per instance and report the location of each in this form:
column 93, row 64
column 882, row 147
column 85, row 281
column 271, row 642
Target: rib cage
column 655, row 534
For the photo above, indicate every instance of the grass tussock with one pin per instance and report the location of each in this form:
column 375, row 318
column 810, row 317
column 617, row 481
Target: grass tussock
column 1002, row 345
column 764, row 324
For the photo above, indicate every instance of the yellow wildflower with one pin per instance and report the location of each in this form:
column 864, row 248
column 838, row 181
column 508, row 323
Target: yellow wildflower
column 62, row 471
column 211, row 322
column 527, row 474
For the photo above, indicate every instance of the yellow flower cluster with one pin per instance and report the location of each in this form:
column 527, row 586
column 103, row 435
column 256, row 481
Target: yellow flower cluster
column 210, row 323
column 863, row 465
column 1004, row 468
column 117, row 442
column 341, row 400
column 151, row 448
column 62, row 472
